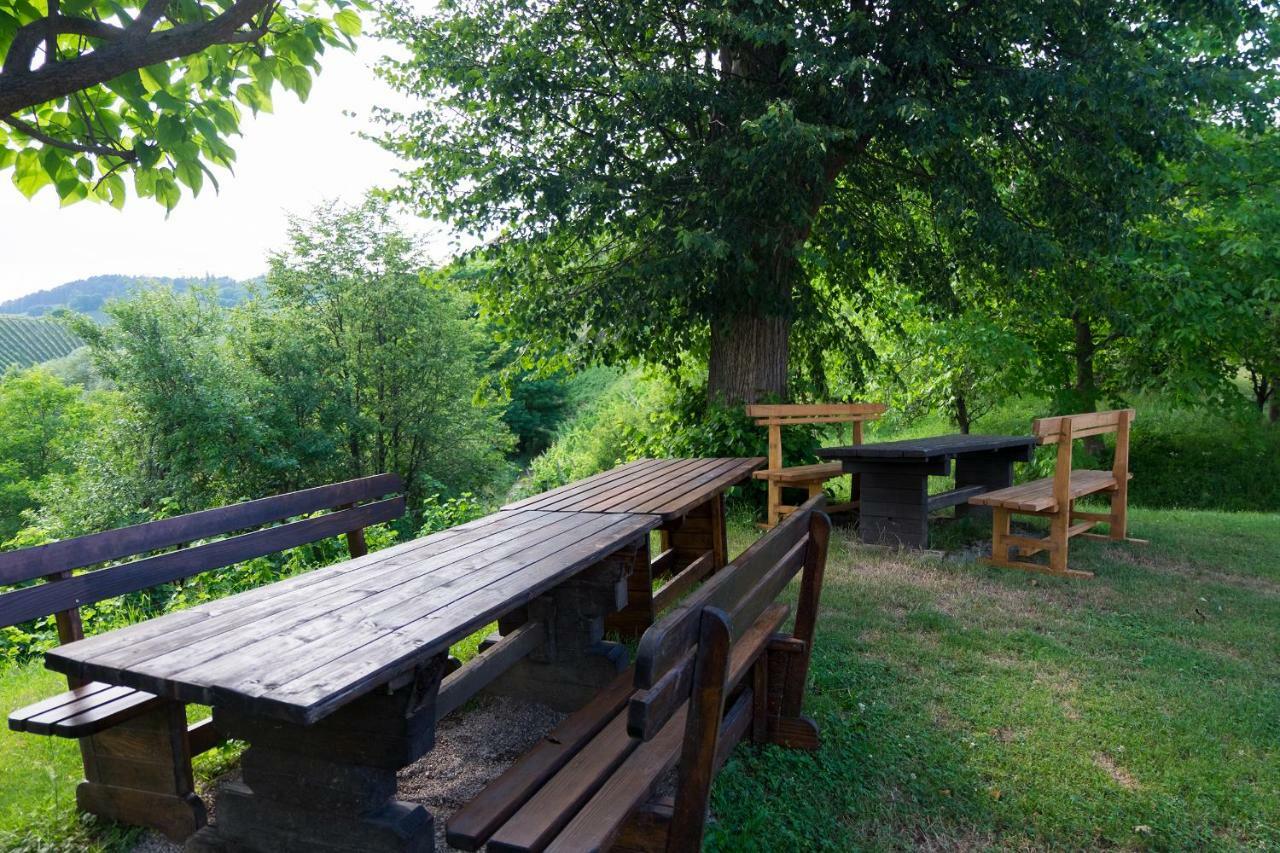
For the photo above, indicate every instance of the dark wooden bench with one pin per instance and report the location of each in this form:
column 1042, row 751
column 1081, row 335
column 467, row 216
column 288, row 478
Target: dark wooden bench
column 712, row 671
column 136, row 745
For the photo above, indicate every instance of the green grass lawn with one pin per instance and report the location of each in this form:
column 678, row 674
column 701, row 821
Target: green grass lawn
column 963, row 707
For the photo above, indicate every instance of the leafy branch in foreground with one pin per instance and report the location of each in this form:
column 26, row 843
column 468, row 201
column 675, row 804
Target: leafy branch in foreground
column 92, row 90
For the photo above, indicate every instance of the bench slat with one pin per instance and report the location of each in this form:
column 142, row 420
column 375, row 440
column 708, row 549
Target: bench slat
column 802, row 473
column 81, row 712
column 41, row 600
column 649, row 710
column 536, row 823
column 668, row 641
column 68, row 554
column 1037, row 496
column 472, row 825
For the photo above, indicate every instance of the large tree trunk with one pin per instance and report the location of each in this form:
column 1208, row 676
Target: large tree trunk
column 748, row 358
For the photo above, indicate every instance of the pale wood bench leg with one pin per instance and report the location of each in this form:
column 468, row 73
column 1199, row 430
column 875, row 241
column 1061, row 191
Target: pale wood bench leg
column 330, row 786
column 138, row 772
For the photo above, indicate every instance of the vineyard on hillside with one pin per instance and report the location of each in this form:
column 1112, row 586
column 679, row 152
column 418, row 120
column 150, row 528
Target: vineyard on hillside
column 25, row 341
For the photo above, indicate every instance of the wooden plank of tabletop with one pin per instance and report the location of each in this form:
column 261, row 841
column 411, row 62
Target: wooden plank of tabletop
column 419, row 629
column 584, row 500
column 715, row 480
column 327, row 657
column 266, row 601
column 232, row 624
column 669, row 478
column 604, row 478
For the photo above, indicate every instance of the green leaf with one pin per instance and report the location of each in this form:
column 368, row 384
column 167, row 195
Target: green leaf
column 191, row 174
column 154, row 77
column 29, row 174
column 348, row 22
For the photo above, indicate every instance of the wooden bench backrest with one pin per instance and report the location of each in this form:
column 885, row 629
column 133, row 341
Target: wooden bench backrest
column 741, row 591
column 1065, row 429
column 64, row 593
column 777, row 415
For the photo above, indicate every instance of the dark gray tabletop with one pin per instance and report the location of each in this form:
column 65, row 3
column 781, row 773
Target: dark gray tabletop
column 929, row 448
column 301, row 648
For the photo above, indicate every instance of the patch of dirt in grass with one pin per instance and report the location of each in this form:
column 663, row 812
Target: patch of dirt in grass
column 1118, row 774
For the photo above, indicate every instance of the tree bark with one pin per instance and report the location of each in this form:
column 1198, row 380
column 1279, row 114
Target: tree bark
column 1086, row 386
column 748, row 362
column 963, row 421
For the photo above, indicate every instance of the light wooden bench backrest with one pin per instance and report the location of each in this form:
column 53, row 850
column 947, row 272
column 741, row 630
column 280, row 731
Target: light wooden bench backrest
column 64, row 593
column 1065, row 429
column 742, row 591
column 777, row 415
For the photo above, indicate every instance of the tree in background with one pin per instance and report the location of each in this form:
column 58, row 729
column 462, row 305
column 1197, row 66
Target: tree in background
column 353, row 360
column 355, row 334
column 41, row 421
column 657, row 180
column 94, row 90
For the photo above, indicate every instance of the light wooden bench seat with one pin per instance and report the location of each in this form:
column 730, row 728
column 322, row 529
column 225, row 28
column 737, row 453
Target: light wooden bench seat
column 137, row 746
column 1055, row 497
column 711, row 672
column 801, row 474
column 1037, row 496
column 813, row 477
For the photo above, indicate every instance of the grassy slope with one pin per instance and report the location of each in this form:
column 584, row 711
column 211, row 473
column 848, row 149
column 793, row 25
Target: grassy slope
column 972, row 707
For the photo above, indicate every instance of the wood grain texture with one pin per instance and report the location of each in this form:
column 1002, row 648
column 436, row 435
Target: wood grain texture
column 926, row 448
column 667, row 487
column 43, row 560
column 341, row 631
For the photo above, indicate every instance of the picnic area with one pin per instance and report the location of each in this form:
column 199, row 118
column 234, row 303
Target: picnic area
column 582, row 426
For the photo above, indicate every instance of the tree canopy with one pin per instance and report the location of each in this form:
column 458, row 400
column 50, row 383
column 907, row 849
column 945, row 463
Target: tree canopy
column 92, row 91
column 655, row 181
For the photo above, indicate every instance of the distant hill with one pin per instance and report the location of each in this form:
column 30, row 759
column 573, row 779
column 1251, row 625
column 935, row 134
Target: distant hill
column 25, row 341
column 88, row 295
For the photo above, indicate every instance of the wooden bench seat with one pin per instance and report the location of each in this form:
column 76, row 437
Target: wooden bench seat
column 83, row 711
column 137, row 746
column 708, row 674
column 801, row 474
column 812, row 477
column 1037, row 495
column 1055, row 497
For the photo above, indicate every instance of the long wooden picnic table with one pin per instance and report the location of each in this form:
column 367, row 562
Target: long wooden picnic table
column 336, row 678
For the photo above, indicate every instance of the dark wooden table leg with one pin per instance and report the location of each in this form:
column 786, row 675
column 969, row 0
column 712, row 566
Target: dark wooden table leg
column 991, row 471
column 702, row 529
column 139, row 772
column 576, row 661
column 895, row 507
column 329, row 786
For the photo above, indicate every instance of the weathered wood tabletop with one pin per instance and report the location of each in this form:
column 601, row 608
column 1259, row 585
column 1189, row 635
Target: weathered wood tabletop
column 666, row 487
column 893, row 479
column 299, row 649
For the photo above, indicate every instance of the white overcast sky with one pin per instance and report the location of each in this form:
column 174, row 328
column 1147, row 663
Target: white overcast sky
column 287, row 162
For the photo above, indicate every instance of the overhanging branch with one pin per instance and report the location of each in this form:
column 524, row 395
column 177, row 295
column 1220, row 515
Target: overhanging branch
column 121, row 52
column 67, row 145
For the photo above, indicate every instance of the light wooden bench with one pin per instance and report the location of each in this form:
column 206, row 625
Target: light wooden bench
column 712, row 671
column 136, row 746
column 1054, row 497
column 811, row 478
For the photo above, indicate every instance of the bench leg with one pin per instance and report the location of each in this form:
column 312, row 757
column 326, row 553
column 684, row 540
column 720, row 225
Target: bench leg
column 139, row 772
column 329, row 786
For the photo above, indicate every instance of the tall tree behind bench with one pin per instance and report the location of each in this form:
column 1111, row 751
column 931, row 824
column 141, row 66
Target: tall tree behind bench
column 654, row 179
